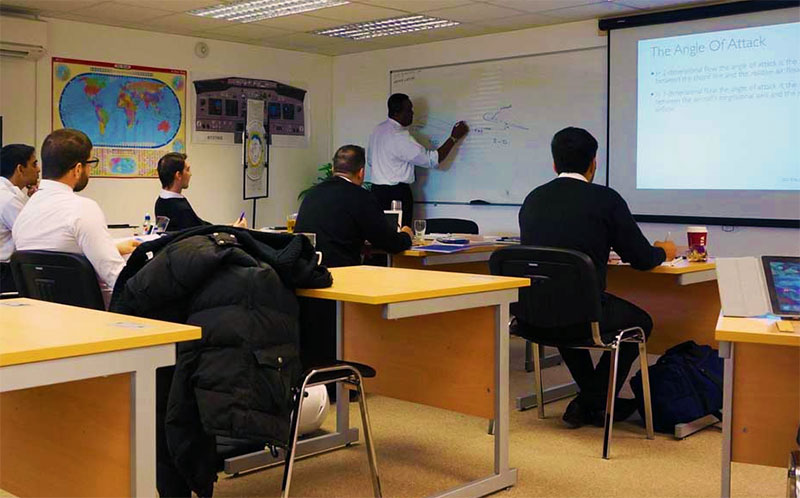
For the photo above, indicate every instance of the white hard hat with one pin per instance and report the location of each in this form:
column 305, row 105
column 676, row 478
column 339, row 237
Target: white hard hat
column 315, row 409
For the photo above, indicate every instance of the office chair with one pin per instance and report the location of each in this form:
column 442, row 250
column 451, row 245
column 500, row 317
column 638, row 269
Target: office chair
column 235, row 452
column 451, row 225
column 564, row 293
column 58, row 277
column 342, row 371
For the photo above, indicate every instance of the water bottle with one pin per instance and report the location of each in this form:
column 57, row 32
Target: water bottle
column 146, row 226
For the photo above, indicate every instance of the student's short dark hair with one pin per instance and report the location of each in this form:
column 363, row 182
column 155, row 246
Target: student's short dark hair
column 13, row 155
column 168, row 165
column 349, row 159
column 573, row 150
column 395, row 103
column 62, row 150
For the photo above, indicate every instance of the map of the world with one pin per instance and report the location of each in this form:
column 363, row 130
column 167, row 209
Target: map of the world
column 132, row 115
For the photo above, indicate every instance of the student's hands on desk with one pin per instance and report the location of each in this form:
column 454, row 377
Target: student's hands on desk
column 240, row 223
column 669, row 248
column 408, row 231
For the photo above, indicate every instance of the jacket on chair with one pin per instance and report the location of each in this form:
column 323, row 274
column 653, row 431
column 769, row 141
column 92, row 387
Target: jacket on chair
column 235, row 381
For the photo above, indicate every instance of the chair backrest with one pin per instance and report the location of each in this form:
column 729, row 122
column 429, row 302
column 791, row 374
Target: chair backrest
column 58, row 277
column 563, row 290
column 451, row 225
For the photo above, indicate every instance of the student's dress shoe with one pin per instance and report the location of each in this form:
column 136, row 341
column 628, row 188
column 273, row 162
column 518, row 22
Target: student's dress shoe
column 576, row 414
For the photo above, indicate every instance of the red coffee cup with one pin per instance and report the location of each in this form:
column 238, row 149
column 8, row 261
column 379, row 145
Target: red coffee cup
column 698, row 237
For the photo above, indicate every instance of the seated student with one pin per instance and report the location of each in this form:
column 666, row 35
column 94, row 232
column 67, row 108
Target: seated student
column 175, row 172
column 55, row 219
column 572, row 213
column 18, row 169
column 343, row 215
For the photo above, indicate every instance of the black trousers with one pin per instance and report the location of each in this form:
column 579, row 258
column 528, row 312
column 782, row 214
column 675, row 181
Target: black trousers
column 385, row 194
column 592, row 380
column 6, row 279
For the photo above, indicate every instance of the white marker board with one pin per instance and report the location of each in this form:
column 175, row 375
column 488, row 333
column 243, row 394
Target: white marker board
column 513, row 107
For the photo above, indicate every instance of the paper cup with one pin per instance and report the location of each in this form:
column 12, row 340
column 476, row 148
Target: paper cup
column 697, row 236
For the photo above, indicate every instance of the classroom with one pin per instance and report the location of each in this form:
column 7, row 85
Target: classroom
column 556, row 180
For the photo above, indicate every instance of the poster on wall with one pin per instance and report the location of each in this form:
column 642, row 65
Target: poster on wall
column 256, row 152
column 220, row 111
column 133, row 114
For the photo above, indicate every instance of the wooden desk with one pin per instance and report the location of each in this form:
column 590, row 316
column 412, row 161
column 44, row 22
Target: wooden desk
column 761, row 396
column 472, row 260
column 77, row 409
column 435, row 338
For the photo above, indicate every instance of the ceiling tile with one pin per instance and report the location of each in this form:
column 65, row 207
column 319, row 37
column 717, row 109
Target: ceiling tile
column 299, row 22
column 356, row 12
column 473, row 13
column 302, row 40
column 183, row 23
column 416, row 5
column 171, row 5
column 591, row 11
column 50, row 5
column 247, row 31
column 112, row 11
column 522, row 21
column 540, row 5
column 658, row 4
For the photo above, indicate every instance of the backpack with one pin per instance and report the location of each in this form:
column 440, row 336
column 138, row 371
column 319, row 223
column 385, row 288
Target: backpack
column 685, row 384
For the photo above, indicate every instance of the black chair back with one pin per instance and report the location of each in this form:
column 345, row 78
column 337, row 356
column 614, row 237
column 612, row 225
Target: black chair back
column 451, row 225
column 58, row 277
column 563, row 290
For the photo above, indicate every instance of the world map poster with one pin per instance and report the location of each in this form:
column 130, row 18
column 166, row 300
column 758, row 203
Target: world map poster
column 133, row 114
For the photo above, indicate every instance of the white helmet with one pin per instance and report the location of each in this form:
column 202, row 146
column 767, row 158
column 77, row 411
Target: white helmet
column 315, row 409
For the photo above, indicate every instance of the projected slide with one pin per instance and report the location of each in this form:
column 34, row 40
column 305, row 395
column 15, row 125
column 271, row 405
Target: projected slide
column 720, row 110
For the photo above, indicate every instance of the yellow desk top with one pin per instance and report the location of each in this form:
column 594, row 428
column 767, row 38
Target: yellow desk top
column 381, row 285
column 421, row 253
column 756, row 330
column 34, row 331
column 681, row 268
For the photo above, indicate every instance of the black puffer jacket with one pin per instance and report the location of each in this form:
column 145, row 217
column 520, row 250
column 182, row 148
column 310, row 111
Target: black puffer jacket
column 238, row 286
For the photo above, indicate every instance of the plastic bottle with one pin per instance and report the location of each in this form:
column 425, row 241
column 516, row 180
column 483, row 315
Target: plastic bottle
column 147, row 225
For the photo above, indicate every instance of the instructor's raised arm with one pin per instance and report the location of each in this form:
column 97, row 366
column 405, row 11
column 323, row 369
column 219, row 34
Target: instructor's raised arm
column 459, row 130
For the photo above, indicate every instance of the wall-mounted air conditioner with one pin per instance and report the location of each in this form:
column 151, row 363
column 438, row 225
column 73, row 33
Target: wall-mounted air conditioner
column 22, row 38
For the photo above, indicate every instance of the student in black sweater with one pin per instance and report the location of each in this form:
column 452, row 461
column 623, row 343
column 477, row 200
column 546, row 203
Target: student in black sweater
column 343, row 215
column 175, row 173
column 572, row 213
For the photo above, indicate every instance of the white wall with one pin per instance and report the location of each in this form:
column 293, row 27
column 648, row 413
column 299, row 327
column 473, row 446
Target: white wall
column 216, row 188
column 361, row 86
column 17, row 77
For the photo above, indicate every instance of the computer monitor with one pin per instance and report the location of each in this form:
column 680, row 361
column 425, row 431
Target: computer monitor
column 394, row 218
column 782, row 274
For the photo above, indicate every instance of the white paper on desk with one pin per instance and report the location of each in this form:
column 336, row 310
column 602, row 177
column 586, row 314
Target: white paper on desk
column 742, row 287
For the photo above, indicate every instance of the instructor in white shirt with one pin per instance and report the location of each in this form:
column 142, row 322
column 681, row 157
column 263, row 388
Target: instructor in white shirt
column 19, row 170
column 393, row 153
column 56, row 219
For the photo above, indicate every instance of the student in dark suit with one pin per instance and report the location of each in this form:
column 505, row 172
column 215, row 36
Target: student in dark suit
column 343, row 215
column 175, row 173
column 573, row 213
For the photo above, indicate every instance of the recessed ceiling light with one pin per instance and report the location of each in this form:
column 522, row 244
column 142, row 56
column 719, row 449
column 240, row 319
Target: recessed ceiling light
column 386, row 27
column 256, row 10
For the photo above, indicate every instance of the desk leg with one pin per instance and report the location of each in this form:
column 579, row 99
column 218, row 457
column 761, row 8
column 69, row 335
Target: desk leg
column 342, row 394
column 143, row 433
column 726, row 352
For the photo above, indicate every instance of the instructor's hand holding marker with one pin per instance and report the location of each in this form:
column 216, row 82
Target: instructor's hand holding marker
column 459, row 130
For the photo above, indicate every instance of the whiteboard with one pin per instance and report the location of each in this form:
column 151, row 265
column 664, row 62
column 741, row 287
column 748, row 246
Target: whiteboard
column 513, row 107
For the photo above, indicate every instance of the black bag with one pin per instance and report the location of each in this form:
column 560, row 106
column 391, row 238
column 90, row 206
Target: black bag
column 685, row 384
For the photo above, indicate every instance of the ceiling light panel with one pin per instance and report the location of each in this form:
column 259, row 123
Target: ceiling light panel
column 258, row 10
column 386, row 27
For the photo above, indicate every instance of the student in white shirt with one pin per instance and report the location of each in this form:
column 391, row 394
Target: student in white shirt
column 393, row 153
column 19, row 169
column 56, row 219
